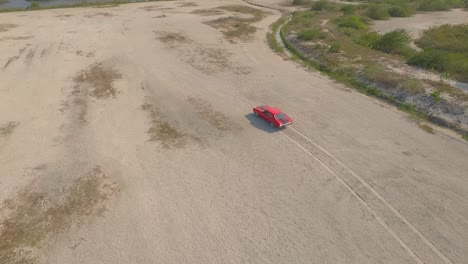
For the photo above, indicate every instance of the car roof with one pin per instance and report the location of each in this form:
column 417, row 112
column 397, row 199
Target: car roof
column 272, row 110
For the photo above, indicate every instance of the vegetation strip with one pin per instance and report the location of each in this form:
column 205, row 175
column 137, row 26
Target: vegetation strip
column 356, row 82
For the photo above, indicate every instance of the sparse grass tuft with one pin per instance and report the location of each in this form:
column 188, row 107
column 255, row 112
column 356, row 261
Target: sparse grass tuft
column 413, row 86
column 323, row 5
column 444, row 87
column 35, row 5
column 237, row 27
column 101, row 79
column 352, row 21
column 310, row 34
column 378, row 74
column 271, row 36
column 437, row 95
column 426, row 128
column 335, row 48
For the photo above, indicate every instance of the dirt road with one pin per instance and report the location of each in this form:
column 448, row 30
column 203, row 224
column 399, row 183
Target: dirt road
column 126, row 136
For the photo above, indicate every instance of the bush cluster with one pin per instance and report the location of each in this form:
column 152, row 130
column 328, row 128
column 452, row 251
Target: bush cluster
column 352, row 21
column 323, row 5
column 395, row 42
column 445, row 50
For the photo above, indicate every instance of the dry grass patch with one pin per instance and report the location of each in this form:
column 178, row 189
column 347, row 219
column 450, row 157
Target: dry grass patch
column 238, row 27
column 209, row 60
column 207, row 12
column 149, row 8
column 16, row 38
column 213, row 117
column 161, row 131
column 104, row 14
column 6, row 27
column 30, row 55
column 188, row 4
column 426, row 128
column 35, row 216
column 101, row 79
column 172, row 39
column 8, row 128
column 10, row 60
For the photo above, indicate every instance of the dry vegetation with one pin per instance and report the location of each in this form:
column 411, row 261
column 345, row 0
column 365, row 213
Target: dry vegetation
column 8, row 128
column 6, row 27
column 335, row 39
column 208, row 12
column 188, row 4
column 104, row 14
column 215, row 118
column 161, row 131
column 101, row 80
column 237, row 27
column 209, row 60
column 35, row 216
column 172, row 39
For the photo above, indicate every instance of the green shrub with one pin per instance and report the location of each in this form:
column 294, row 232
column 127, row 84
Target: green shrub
column 377, row 74
column 400, row 11
column 443, row 61
column 445, row 50
column 348, row 9
column 436, row 95
column 310, row 34
column 335, row 48
column 323, row 5
column 370, row 39
column 395, row 41
column 440, row 5
column 465, row 136
column 378, row 11
column 349, row 31
column 34, row 5
column 352, row 21
column 446, row 37
column 413, row 85
column 301, row 2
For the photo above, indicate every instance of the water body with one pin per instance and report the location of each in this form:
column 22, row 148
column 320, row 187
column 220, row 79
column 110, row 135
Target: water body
column 24, row 3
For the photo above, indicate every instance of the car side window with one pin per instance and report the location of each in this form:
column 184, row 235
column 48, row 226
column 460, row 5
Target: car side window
column 270, row 115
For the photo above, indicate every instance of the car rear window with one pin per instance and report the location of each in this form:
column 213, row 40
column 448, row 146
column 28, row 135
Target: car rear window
column 280, row 116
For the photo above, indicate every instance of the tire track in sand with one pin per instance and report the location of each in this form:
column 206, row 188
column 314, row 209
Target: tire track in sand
column 405, row 233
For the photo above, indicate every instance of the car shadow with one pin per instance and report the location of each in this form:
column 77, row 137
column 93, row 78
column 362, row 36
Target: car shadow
column 261, row 124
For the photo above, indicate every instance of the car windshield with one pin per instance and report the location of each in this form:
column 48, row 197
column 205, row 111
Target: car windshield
column 280, row 116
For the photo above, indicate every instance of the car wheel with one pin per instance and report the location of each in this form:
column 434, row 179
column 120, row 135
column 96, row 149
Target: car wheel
column 256, row 114
column 272, row 125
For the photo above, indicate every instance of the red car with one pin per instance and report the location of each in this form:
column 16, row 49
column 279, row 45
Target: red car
column 274, row 116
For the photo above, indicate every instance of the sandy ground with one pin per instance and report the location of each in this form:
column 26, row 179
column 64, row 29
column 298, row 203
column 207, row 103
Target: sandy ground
column 420, row 22
column 126, row 136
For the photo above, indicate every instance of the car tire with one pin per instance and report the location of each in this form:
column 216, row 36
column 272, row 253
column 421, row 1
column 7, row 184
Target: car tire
column 256, row 114
column 272, row 125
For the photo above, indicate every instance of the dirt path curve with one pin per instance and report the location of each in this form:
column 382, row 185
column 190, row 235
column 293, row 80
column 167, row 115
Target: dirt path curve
column 130, row 139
